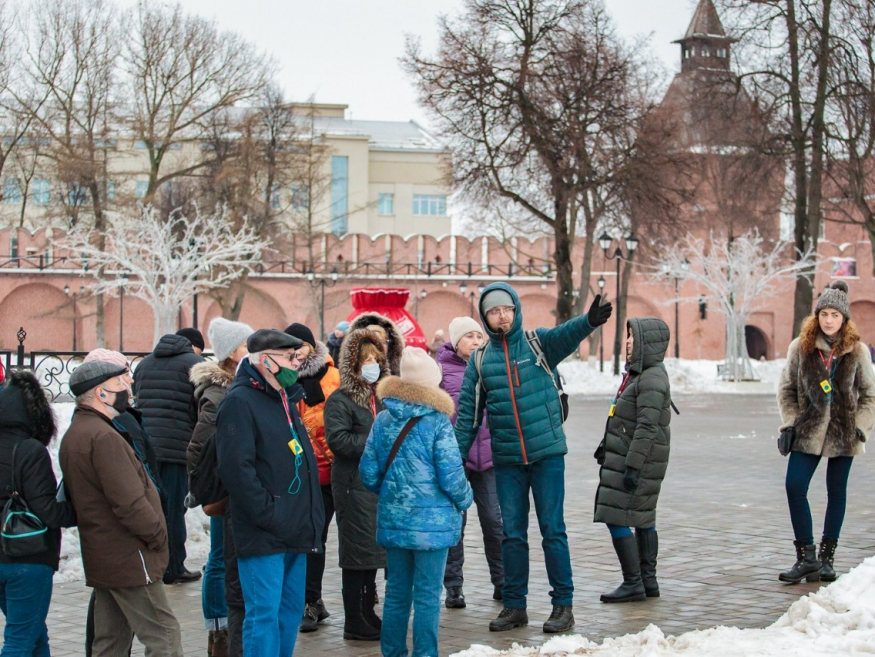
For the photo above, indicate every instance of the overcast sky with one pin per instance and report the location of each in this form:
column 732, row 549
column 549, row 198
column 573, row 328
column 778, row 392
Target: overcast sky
column 346, row 51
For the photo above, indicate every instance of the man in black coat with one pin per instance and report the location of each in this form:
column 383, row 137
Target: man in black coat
column 268, row 467
column 165, row 396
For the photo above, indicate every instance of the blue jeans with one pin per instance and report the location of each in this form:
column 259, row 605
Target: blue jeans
column 25, row 594
column 800, row 470
column 273, row 591
column 213, row 586
column 413, row 577
column 546, row 480
column 174, row 476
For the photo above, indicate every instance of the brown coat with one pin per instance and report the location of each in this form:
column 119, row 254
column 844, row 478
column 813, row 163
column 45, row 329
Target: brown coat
column 122, row 529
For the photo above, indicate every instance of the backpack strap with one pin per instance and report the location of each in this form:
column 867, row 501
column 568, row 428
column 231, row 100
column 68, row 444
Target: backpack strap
column 478, row 356
column 400, row 439
column 538, row 349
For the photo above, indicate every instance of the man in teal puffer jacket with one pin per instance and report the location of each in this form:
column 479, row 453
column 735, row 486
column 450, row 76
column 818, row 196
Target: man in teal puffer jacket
column 528, row 444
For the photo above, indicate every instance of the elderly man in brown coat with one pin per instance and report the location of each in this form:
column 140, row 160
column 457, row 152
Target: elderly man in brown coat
column 122, row 530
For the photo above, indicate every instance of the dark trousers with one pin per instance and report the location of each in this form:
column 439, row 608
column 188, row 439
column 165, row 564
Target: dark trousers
column 316, row 561
column 489, row 514
column 800, row 470
column 233, row 593
column 175, row 480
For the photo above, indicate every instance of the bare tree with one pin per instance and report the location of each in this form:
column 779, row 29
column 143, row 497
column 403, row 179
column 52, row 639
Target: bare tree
column 167, row 260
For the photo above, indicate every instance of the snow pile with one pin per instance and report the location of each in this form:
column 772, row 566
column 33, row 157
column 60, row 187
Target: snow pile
column 197, row 546
column 687, row 376
column 836, row 620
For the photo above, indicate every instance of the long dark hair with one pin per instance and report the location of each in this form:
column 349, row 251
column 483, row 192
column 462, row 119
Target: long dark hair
column 39, row 410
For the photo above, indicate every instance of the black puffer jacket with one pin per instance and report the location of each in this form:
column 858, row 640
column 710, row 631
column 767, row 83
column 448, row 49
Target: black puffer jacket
column 349, row 414
column 18, row 407
column 275, row 498
column 638, row 434
column 166, row 396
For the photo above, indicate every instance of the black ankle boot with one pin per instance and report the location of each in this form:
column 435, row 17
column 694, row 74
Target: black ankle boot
column 648, row 548
column 807, row 566
column 355, row 627
column 632, row 588
column 826, row 556
column 369, row 600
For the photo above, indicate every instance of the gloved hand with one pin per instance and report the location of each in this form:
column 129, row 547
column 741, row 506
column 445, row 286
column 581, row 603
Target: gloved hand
column 598, row 314
column 630, row 479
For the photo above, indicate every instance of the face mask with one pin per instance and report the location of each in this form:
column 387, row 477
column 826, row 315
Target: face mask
column 120, row 403
column 371, row 372
column 286, row 377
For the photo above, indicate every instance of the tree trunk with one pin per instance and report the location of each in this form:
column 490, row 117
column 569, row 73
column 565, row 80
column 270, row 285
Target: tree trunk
column 165, row 319
column 562, row 260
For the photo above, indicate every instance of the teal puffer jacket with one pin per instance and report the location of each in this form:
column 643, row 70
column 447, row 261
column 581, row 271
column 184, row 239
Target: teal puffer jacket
column 638, row 434
column 522, row 405
column 424, row 491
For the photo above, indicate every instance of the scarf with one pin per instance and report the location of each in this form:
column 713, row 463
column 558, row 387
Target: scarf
column 313, row 394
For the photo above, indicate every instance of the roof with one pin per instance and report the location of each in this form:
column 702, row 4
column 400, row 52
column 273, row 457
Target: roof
column 382, row 135
column 706, row 22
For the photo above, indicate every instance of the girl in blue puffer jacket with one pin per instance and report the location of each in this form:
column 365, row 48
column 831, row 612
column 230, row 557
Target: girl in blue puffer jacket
column 423, row 492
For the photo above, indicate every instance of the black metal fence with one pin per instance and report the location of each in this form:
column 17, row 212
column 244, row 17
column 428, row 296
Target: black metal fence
column 53, row 370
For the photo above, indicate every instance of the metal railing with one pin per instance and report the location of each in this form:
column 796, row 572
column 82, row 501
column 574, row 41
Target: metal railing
column 54, row 368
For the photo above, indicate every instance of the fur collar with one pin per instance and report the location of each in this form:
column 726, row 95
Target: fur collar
column 416, row 393
column 315, row 361
column 351, row 381
column 396, row 340
column 210, row 373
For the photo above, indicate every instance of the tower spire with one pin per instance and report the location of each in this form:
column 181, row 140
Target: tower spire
column 705, row 44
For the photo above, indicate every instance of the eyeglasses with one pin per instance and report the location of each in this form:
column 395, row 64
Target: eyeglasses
column 292, row 357
column 500, row 310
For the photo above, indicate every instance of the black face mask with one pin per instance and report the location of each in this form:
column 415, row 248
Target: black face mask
column 120, row 403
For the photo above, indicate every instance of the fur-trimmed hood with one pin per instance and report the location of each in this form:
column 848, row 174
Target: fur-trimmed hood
column 396, row 340
column 414, row 394
column 210, row 373
column 351, row 381
column 315, row 361
column 24, row 407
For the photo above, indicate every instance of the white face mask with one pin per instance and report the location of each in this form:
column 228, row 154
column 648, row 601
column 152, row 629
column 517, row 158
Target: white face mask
column 371, row 372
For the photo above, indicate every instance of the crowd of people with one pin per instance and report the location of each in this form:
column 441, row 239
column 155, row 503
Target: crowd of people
column 284, row 433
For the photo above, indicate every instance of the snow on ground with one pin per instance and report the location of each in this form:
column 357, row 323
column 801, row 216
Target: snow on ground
column 836, row 620
column 197, row 546
column 687, row 376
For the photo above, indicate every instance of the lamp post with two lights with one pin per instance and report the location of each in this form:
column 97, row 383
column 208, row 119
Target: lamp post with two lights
column 605, row 241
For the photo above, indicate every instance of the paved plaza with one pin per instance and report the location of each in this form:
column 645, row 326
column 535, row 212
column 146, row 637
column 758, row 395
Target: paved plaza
column 724, row 535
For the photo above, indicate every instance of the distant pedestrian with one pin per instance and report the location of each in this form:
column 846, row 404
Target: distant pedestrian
column 422, row 494
column 387, row 331
column 634, row 458
column 319, row 378
column 336, row 339
column 27, row 426
column 195, row 337
column 269, row 469
column 223, row 613
column 165, row 396
column 465, row 336
column 349, row 415
column 436, row 343
column 827, row 392
column 122, row 530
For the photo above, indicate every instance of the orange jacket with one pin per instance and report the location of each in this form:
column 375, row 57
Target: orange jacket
column 315, row 423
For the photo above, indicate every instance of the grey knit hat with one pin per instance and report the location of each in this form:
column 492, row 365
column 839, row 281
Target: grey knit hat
column 226, row 336
column 835, row 297
column 497, row 297
column 91, row 374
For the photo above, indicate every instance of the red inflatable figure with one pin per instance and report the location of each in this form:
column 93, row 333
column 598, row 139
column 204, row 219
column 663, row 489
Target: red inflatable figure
column 389, row 302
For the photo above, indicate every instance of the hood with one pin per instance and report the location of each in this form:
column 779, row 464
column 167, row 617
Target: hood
column 24, row 408
column 249, row 377
column 172, row 345
column 405, row 400
column 446, row 355
column 351, row 382
column 517, row 326
column 315, row 361
column 651, row 336
column 210, row 373
column 396, row 340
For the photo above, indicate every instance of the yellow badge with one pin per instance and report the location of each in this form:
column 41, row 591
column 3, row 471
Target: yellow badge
column 612, row 409
column 827, row 388
column 295, row 446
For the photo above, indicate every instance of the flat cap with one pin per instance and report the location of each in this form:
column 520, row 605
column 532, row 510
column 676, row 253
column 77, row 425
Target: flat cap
column 91, row 374
column 264, row 339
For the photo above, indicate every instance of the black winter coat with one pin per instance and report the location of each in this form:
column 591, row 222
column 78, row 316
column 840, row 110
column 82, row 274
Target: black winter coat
column 260, row 471
column 166, row 396
column 132, row 422
column 638, row 434
column 35, row 475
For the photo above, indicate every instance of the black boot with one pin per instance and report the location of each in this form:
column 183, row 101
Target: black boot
column 806, row 567
column 369, row 600
column 455, row 598
column 509, row 618
column 561, row 620
column 355, row 626
column 648, row 548
column 826, row 556
column 632, row 588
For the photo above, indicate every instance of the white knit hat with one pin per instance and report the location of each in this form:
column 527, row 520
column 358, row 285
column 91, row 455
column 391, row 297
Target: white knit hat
column 418, row 367
column 460, row 326
column 226, row 336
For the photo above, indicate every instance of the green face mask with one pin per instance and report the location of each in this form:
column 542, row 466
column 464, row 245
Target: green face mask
column 286, row 377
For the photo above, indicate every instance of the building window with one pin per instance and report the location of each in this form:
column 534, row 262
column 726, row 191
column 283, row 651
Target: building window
column 110, row 190
column 386, row 205
column 275, row 197
column 11, row 191
column 339, row 194
column 844, row 268
column 300, row 197
column 76, row 195
column 142, row 188
column 429, row 205
column 41, row 189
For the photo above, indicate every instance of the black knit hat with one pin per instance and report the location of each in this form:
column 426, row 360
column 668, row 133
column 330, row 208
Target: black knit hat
column 264, row 339
column 301, row 332
column 194, row 336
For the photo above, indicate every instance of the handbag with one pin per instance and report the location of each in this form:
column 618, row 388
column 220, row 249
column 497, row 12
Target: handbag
column 23, row 534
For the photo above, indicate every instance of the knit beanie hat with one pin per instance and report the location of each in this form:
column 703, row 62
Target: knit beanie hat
column 460, row 326
column 835, row 297
column 226, row 336
column 342, row 326
column 418, row 367
column 495, row 298
column 303, row 333
column 106, row 356
column 194, row 336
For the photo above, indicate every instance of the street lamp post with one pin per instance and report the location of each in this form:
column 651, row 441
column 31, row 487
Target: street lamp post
column 121, row 314
column 74, row 296
column 601, row 282
column 605, row 242
column 685, row 265
column 463, row 288
column 323, row 283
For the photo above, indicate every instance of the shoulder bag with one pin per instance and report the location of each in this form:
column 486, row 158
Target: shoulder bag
column 23, row 534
